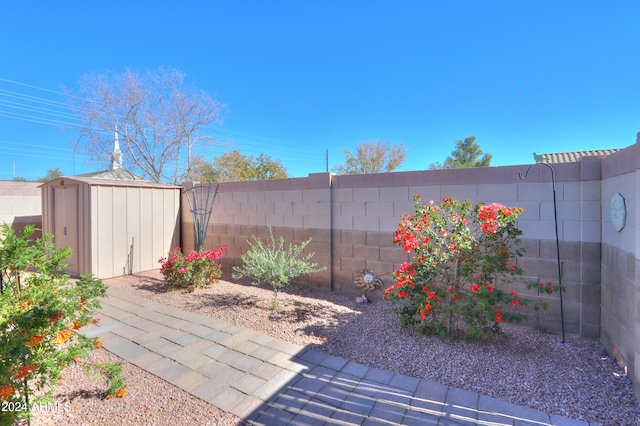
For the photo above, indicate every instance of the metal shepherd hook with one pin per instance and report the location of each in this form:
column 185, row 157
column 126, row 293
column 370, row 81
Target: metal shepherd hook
column 540, row 160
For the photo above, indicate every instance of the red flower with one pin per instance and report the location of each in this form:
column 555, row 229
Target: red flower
column 475, row 287
column 6, row 391
column 34, row 340
column 25, row 370
column 55, row 317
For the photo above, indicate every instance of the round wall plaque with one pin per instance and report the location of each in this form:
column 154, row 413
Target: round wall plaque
column 618, row 211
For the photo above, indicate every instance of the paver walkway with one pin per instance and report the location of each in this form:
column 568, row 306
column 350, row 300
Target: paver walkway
column 271, row 382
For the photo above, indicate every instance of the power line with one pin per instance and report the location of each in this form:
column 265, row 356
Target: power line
column 44, row 110
column 30, row 86
column 35, row 146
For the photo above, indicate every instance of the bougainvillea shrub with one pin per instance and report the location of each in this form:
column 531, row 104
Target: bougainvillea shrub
column 197, row 269
column 462, row 257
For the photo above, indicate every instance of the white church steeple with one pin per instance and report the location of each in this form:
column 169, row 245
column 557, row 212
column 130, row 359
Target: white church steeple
column 116, row 155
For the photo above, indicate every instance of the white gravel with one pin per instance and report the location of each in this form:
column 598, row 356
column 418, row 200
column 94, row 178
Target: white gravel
column 577, row 379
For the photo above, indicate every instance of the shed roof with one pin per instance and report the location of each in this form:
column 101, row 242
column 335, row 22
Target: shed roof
column 572, row 157
column 93, row 181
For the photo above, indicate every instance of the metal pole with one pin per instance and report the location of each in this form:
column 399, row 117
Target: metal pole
column 555, row 217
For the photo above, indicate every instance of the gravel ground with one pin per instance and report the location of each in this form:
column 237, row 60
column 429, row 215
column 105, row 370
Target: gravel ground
column 577, row 379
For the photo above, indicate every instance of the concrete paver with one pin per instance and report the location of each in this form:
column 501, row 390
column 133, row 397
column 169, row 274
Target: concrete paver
column 270, row 382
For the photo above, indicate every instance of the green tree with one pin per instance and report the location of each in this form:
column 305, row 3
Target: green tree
column 467, row 154
column 19, row 179
column 160, row 120
column 234, row 166
column 56, row 172
column 376, row 157
column 202, row 170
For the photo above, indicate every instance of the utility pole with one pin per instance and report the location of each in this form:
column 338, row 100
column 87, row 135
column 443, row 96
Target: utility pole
column 327, row 160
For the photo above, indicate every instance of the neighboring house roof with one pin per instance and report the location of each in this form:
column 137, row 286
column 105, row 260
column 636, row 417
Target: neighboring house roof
column 572, row 157
column 114, row 174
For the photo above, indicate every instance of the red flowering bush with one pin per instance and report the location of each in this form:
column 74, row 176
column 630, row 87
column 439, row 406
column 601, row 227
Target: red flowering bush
column 198, row 269
column 463, row 254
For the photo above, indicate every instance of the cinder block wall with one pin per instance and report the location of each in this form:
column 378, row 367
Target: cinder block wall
column 352, row 218
column 297, row 209
column 21, row 205
column 620, row 311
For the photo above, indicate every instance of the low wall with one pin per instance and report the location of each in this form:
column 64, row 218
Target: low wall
column 620, row 308
column 21, row 205
column 351, row 219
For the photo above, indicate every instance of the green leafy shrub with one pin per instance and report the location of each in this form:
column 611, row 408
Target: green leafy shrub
column 40, row 311
column 463, row 254
column 275, row 265
column 198, row 269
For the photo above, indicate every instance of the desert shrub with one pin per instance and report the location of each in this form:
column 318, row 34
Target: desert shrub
column 274, row 264
column 41, row 309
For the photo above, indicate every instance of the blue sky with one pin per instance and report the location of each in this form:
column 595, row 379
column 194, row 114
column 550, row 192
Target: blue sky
column 299, row 78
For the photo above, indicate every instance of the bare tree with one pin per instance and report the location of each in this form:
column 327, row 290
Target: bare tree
column 372, row 158
column 159, row 120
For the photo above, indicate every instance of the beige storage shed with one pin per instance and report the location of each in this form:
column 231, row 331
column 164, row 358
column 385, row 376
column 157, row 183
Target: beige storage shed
column 116, row 226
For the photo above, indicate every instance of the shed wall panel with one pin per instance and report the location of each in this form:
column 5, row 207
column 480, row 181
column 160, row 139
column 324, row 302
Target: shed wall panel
column 93, row 227
column 120, row 232
column 104, row 217
column 146, row 227
column 133, row 230
column 84, row 230
column 157, row 220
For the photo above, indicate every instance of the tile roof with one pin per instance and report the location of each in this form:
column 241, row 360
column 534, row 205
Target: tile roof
column 572, row 157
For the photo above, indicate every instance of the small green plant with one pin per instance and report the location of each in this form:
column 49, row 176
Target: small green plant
column 112, row 373
column 275, row 265
column 198, row 269
column 40, row 311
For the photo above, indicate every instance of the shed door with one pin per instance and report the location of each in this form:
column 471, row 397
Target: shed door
column 65, row 223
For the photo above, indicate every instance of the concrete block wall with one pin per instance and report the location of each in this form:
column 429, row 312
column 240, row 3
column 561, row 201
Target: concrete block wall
column 296, row 209
column 620, row 307
column 21, row 205
column 352, row 218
